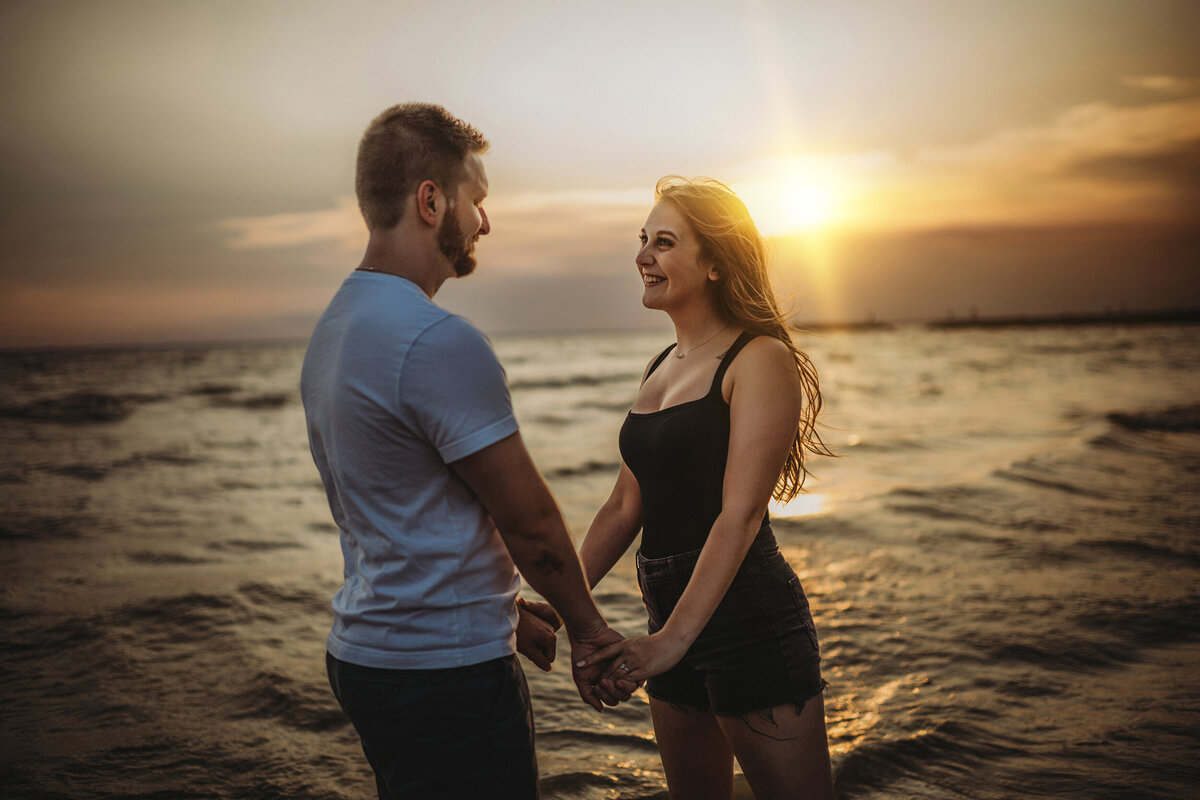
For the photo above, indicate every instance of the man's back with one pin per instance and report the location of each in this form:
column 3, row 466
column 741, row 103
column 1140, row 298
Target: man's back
column 394, row 390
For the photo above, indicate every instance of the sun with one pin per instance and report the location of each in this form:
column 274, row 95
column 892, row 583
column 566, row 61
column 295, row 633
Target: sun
column 805, row 206
column 789, row 202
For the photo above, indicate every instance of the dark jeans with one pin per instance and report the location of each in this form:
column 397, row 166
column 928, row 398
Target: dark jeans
column 462, row 733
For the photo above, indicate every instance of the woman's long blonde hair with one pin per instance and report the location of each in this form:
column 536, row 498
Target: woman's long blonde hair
column 730, row 240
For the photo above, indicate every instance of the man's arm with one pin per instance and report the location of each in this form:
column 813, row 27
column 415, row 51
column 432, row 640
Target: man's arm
column 503, row 477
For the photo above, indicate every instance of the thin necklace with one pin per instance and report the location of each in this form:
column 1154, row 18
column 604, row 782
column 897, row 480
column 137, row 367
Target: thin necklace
column 680, row 354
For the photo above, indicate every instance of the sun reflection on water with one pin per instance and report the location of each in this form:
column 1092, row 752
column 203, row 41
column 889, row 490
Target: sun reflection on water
column 803, row 505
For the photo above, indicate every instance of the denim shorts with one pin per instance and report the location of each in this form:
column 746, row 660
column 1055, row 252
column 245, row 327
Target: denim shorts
column 464, row 733
column 759, row 648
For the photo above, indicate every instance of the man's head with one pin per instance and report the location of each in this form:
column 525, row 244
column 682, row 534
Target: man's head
column 404, row 146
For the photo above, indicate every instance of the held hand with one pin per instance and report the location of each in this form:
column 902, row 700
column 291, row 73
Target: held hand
column 535, row 636
column 635, row 659
column 587, row 680
column 543, row 610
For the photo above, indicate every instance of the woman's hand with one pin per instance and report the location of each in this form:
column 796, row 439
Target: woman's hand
column 634, row 660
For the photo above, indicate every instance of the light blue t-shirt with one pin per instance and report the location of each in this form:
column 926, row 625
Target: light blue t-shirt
column 394, row 390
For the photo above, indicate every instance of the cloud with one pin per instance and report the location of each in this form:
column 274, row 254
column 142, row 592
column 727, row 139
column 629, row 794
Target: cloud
column 532, row 232
column 341, row 224
column 1163, row 84
column 1091, row 163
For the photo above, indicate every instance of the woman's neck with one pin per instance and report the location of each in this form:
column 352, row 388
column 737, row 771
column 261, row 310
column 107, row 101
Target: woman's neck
column 697, row 326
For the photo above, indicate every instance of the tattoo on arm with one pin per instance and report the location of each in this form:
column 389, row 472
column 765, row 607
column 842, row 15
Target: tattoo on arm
column 548, row 562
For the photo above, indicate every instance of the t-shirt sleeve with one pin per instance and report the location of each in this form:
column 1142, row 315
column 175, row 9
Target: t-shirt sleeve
column 453, row 389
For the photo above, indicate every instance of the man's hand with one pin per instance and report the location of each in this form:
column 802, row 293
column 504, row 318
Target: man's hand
column 587, row 679
column 535, row 633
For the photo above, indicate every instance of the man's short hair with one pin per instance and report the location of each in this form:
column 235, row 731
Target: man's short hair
column 403, row 146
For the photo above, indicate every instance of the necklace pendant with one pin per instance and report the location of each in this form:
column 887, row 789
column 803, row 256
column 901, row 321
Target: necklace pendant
column 679, row 354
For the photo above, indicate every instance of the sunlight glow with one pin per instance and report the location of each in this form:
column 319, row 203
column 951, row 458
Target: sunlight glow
column 789, row 196
column 804, row 505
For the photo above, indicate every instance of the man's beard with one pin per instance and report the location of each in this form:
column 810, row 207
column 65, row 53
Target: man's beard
column 454, row 245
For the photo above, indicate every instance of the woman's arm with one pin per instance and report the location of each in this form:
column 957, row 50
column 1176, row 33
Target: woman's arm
column 764, row 412
column 616, row 525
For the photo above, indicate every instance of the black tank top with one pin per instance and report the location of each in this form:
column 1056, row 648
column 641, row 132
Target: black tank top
column 678, row 457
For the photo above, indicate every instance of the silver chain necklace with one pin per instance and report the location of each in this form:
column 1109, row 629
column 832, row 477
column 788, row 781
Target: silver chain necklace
column 680, row 354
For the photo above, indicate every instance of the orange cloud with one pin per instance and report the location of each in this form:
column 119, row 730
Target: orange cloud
column 1046, row 174
column 341, row 224
column 531, row 231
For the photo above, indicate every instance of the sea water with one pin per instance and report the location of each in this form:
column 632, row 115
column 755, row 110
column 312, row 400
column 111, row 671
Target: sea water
column 1002, row 563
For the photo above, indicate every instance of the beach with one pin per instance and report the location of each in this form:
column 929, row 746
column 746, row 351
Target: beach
column 1002, row 563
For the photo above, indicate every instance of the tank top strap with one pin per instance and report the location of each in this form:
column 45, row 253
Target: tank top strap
column 657, row 361
column 727, row 358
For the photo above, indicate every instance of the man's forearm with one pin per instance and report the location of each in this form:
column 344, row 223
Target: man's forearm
column 548, row 562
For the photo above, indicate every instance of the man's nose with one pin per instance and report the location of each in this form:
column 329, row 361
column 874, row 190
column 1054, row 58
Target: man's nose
column 486, row 226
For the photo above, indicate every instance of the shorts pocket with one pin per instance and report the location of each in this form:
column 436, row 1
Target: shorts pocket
column 802, row 608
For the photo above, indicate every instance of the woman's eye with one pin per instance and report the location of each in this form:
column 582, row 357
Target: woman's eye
column 664, row 242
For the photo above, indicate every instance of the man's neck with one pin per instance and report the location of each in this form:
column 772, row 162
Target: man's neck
column 405, row 256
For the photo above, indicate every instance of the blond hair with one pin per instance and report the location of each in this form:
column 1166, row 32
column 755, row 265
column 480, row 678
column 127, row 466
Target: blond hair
column 403, row 146
column 730, row 241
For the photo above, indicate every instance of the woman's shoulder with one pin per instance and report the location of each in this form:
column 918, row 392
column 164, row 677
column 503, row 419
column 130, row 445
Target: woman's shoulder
column 764, row 361
column 763, row 348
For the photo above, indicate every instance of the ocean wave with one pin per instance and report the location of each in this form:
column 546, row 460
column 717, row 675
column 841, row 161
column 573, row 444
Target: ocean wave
column 276, row 597
column 1145, row 624
column 587, row 784
column 99, row 471
column 1020, row 473
column 615, row 406
column 33, row 527
column 28, row 637
column 1127, row 548
column 83, row 472
column 301, row 706
column 950, row 746
column 182, row 620
column 1175, row 419
column 258, row 402
column 80, row 408
column 993, row 519
column 589, row 468
column 213, row 389
column 568, row 737
column 571, row 381
column 1104, row 636
column 1117, row 345
column 153, row 558
column 253, row 545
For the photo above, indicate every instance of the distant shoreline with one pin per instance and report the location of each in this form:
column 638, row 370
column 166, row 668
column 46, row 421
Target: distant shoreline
column 1170, row 316
column 1167, row 316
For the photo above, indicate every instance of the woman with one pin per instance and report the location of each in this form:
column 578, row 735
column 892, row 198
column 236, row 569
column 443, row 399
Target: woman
column 722, row 423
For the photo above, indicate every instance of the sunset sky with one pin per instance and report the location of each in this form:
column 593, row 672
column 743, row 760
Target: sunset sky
column 177, row 171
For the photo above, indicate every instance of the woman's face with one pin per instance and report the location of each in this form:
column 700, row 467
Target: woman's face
column 669, row 260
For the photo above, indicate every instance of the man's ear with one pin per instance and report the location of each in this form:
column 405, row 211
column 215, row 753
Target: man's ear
column 429, row 201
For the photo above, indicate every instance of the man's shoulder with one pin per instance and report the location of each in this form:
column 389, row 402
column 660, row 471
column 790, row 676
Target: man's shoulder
column 449, row 330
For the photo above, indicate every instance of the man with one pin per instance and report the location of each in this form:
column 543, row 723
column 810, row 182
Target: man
column 411, row 427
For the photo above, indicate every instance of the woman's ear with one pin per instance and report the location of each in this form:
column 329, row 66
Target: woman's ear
column 714, row 274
